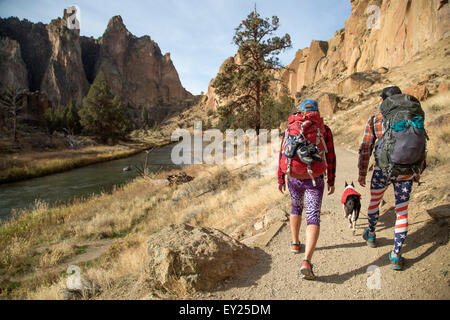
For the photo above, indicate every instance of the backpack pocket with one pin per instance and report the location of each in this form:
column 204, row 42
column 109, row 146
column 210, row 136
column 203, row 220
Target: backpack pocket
column 409, row 146
column 290, row 147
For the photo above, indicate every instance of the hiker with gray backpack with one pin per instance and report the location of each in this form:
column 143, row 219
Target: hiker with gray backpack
column 397, row 137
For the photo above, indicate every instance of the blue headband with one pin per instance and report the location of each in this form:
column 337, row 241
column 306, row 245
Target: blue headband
column 313, row 103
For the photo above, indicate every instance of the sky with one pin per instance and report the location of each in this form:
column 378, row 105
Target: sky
column 197, row 33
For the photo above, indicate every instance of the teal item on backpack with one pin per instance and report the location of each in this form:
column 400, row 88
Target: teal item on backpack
column 405, row 124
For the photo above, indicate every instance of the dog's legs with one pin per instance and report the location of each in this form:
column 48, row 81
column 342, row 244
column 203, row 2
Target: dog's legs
column 353, row 222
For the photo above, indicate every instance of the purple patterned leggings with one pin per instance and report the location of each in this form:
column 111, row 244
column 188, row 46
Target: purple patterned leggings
column 304, row 189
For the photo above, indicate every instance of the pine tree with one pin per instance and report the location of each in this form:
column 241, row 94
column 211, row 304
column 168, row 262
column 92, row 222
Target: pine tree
column 102, row 114
column 246, row 82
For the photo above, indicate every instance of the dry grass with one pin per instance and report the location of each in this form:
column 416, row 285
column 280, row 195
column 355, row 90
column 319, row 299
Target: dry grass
column 439, row 143
column 55, row 255
column 21, row 166
column 226, row 197
column 223, row 197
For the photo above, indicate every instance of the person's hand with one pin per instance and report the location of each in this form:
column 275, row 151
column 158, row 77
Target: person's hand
column 282, row 187
column 362, row 181
column 330, row 190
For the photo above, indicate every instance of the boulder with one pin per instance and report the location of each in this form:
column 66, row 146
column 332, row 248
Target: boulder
column 357, row 82
column 420, row 92
column 443, row 87
column 179, row 178
column 184, row 259
column 275, row 214
column 328, row 103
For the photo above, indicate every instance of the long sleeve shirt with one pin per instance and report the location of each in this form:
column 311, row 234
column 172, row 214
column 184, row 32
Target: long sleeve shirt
column 372, row 132
column 331, row 160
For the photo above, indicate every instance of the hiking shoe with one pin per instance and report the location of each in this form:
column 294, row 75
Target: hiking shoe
column 306, row 270
column 295, row 247
column 396, row 262
column 369, row 240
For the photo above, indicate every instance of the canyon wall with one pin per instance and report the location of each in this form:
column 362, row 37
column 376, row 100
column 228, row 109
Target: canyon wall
column 386, row 36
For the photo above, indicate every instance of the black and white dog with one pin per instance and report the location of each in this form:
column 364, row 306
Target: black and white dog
column 351, row 203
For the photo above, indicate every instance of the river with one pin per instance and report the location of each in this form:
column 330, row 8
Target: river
column 81, row 182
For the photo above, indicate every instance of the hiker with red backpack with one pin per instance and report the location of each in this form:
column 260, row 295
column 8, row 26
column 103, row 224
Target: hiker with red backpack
column 398, row 138
column 306, row 157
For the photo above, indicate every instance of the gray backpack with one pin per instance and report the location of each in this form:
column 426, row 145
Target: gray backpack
column 402, row 148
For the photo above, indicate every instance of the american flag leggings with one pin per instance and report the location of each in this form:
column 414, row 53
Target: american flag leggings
column 402, row 190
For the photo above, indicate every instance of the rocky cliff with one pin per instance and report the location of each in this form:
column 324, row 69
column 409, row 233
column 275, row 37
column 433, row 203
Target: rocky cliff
column 136, row 69
column 62, row 64
column 373, row 39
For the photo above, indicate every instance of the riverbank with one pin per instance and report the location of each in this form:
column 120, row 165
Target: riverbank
column 32, row 164
column 38, row 241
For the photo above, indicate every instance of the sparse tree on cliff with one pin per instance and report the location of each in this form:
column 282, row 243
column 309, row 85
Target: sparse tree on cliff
column 13, row 101
column 246, row 82
column 102, row 114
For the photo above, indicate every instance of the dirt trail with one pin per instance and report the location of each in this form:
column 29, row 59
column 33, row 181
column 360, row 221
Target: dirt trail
column 341, row 260
column 93, row 250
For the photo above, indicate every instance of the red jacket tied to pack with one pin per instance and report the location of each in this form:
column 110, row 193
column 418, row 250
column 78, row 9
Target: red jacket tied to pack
column 312, row 125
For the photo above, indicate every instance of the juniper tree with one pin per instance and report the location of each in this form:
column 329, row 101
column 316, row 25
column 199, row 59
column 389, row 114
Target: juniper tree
column 103, row 114
column 245, row 83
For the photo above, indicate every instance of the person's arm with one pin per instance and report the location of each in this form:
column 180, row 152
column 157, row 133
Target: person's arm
column 331, row 157
column 365, row 150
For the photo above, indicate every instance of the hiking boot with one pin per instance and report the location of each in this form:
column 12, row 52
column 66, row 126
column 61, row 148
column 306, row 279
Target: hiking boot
column 295, row 247
column 396, row 262
column 369, row 240
column 307, row 270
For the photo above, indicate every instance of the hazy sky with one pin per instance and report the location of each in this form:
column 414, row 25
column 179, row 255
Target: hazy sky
column 197, row 33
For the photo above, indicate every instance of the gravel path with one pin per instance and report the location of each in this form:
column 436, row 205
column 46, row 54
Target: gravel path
column 341, row 260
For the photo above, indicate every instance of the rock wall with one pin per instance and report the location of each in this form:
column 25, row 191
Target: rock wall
column 405, row 28
column 136, row 69
column 64, row 78
column 58, row 62
column 13, row 70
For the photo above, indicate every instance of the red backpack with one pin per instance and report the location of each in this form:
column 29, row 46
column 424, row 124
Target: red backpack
column 309, row 127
